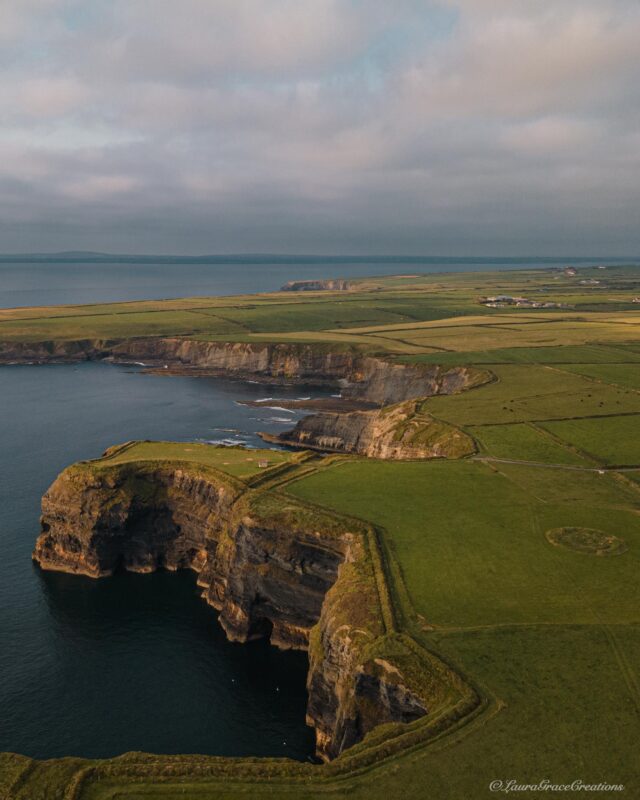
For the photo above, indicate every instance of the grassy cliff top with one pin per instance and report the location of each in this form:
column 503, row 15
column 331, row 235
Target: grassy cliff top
column 240, row 462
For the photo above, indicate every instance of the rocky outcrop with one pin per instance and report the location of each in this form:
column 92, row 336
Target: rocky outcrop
column 401, row 431
column 331, row 285
column 383, row 382
column 272, row 566
column 95, row 521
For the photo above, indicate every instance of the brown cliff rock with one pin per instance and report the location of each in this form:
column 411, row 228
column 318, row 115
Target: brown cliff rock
column 330, row 285
column 401, row 431
column 272, row 566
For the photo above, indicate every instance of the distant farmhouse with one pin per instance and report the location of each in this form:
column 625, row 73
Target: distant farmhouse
column 504, row 300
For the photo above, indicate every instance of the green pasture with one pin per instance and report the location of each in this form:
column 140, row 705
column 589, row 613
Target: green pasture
column 523, row 442
column 571, row 357
column 532, row 392
column 470, row 539
column 612, row 440
column 626, row 375
column 237, row 461
column 411, row 314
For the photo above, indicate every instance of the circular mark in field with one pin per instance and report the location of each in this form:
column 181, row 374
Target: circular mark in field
column 587, row 540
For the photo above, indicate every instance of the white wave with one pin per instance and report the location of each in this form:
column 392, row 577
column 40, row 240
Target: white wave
column 339, row 396
column 280, row 408
column 283, row 420
column 303, row 398
column 264, row 400
column 226, row 442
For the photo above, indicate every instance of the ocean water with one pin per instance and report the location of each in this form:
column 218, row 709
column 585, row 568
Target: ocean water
column 33, row 284
column 134, row 662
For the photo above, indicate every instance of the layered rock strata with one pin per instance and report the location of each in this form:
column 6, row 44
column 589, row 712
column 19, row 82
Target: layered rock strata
column 365, row 377
column 401, row 431
column 272, row 566
column 397, row 431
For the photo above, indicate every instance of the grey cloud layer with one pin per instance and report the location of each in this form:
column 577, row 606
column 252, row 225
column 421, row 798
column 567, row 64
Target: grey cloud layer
column 466, row 126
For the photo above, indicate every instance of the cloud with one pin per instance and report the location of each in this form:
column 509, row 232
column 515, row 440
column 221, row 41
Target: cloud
column 331, row 125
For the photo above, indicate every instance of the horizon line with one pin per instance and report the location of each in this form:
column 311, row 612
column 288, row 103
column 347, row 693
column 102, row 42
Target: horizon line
column 268, row 257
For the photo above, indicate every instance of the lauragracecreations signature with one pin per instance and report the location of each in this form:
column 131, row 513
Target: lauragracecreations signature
column 512, row 785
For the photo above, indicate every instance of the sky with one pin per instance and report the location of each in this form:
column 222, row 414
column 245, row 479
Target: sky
column 460, row 127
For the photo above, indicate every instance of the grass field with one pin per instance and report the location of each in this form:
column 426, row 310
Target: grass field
column 612, row 440
column 550, row 637
column 470, row 538
column 236, row 461
column 576, row 358
column 549, row 718
column 524, row 442
column 540, row 627
column 410, row 314
column 626, row 375
column 533, row 392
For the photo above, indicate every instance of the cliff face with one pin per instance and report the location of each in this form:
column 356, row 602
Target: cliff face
column 267, row 361
column 268, row 582
column 394, row 432
column 273, row 569
column 372, row 379
column 331, row 285
column 382, row 382
column 364, row 377
column 46, row 352
column 140, row 519
column 353, row 683
column 400, row 431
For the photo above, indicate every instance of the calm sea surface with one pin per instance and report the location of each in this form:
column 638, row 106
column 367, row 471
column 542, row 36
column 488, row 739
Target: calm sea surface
column 133, row 662
column 55, row 283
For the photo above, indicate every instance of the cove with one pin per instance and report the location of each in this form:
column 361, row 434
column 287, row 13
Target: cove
column 96, row 668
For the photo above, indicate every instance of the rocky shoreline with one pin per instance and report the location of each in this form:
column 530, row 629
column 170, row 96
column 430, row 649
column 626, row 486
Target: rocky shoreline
column 397, row 432
column 271, row 566
column 370, row 378
column 373, row 415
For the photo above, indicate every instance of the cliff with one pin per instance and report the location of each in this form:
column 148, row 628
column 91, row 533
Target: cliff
column 363, row 377
column 271, row 565
column 379, row 381
column 399, row 431
column 331, row 285
column 53, row 351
